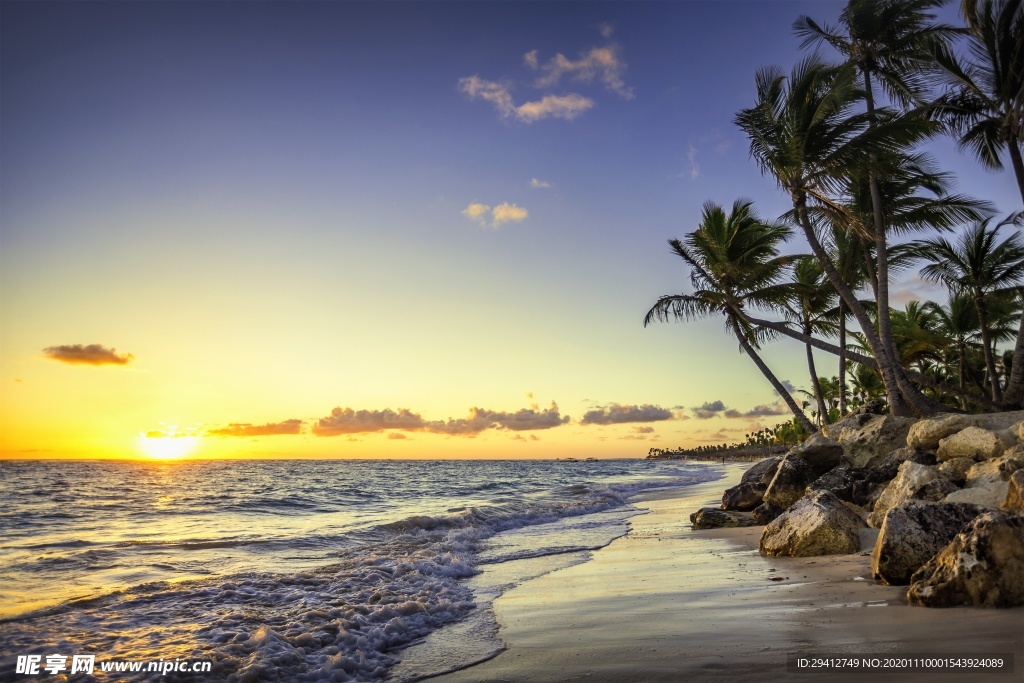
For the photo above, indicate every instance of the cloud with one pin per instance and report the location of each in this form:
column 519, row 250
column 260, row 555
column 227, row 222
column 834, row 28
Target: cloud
column 349, row 421
column 691, row 156
column 540, row 184
column 708, row 410
column 508, row 213
column 607, row 29
column 483, row 214
column 397, row 435
column 293, row 426
column 619, row 414
column 765, row 410
column 787, row 385
column 597, row 63
column 566, row 107
column 643, row 430
column 93, row 354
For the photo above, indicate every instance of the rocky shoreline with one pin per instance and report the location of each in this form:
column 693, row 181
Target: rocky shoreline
column 946, row 494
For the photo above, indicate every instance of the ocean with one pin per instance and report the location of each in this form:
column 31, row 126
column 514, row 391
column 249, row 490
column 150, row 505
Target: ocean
column 293, row 570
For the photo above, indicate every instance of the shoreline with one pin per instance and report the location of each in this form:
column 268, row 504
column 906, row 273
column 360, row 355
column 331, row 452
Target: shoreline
column 667, row 603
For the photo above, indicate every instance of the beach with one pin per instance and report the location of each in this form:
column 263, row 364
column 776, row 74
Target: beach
column 667, row 603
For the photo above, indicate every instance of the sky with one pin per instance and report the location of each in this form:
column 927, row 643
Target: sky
column 357, row 230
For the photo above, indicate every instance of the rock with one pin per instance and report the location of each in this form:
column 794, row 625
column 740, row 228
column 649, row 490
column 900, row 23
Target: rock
column 879, row 436
column 955, row 470
column 913, row 533
column 996, row 469
column 982, row 566
column 820, row 452
column 840, row 481
column 713, row 518
column 1014, row 501
column 972, row 442
column 991, row 495
column 935, row 490
column 749, row 493
column 743, row 497
column 852, row 421
column 866, row 493
column 926, row 434
column 766, row 512
column 887, row 467
column 761, row 471
column 818, row 524
column 790, row 482
column 909, row 479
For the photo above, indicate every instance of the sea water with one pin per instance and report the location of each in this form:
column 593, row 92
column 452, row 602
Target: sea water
column 295, row 570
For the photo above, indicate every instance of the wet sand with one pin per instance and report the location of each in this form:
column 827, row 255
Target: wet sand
column 667, row 603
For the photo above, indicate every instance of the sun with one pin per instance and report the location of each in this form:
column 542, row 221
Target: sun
column 167, row 446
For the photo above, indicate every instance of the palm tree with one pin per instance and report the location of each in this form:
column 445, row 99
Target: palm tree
column 810, row 304
column 802, row 131
column 734, row 262
column 979, row 267
column 958, row 322
column 890, row 42
column 984, row 107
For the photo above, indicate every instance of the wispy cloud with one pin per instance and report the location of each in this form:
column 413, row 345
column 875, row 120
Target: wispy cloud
column 484, row 214
column 91, row 354
column 566, row 107
column 691, row 156
column 606, row 29
column 293, row 426
column 598, row 63
column 540, row 184
column 619, row 414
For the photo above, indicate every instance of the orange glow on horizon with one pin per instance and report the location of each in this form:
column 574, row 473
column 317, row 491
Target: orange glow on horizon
column 168, row 447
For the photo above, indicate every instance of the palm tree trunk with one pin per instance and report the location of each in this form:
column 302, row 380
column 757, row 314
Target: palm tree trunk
column 986, row 345
column 1014, row 395
column 815, row 383
column 842, row 358
column 770, row 376
column 924, row 380
column 900, row 403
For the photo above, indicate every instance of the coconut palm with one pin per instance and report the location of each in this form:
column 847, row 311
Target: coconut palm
column 804, row 133
column 888, row 42
column 734, row 262
column 958, row 322
column 980, row 267
column 810, row 304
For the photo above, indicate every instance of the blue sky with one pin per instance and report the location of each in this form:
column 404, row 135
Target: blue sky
column 282, row 208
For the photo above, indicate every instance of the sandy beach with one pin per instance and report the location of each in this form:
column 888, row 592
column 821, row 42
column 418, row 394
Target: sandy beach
column 667, row 603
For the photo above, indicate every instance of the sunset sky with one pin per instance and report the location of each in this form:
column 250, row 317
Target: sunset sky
column 405, row 230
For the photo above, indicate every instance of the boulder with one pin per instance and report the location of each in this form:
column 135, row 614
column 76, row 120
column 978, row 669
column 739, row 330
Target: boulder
column 713, row 518
column 879, row 436
column 761, row 471
column 852, row 421
column 955, row 470
column 926, row 434
column 972, row 442
column 743, row 497
column 1014, row 501
column 790, row 482
column 818, row 524
column 910, row 478
column 990, row 495
column 982, row 566
column 913, row 533
column 886, row 468
column 996, row 469
column 840, row 481
column 766, row 512
column 819, row 452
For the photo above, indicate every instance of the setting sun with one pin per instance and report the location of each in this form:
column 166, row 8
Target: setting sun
column 167, row 447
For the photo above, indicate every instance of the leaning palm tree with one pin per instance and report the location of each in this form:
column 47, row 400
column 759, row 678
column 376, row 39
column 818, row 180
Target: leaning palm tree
column 891, row 43
column 734, row 262
column 804, row 133
column 978, row 266
column 810, row 304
